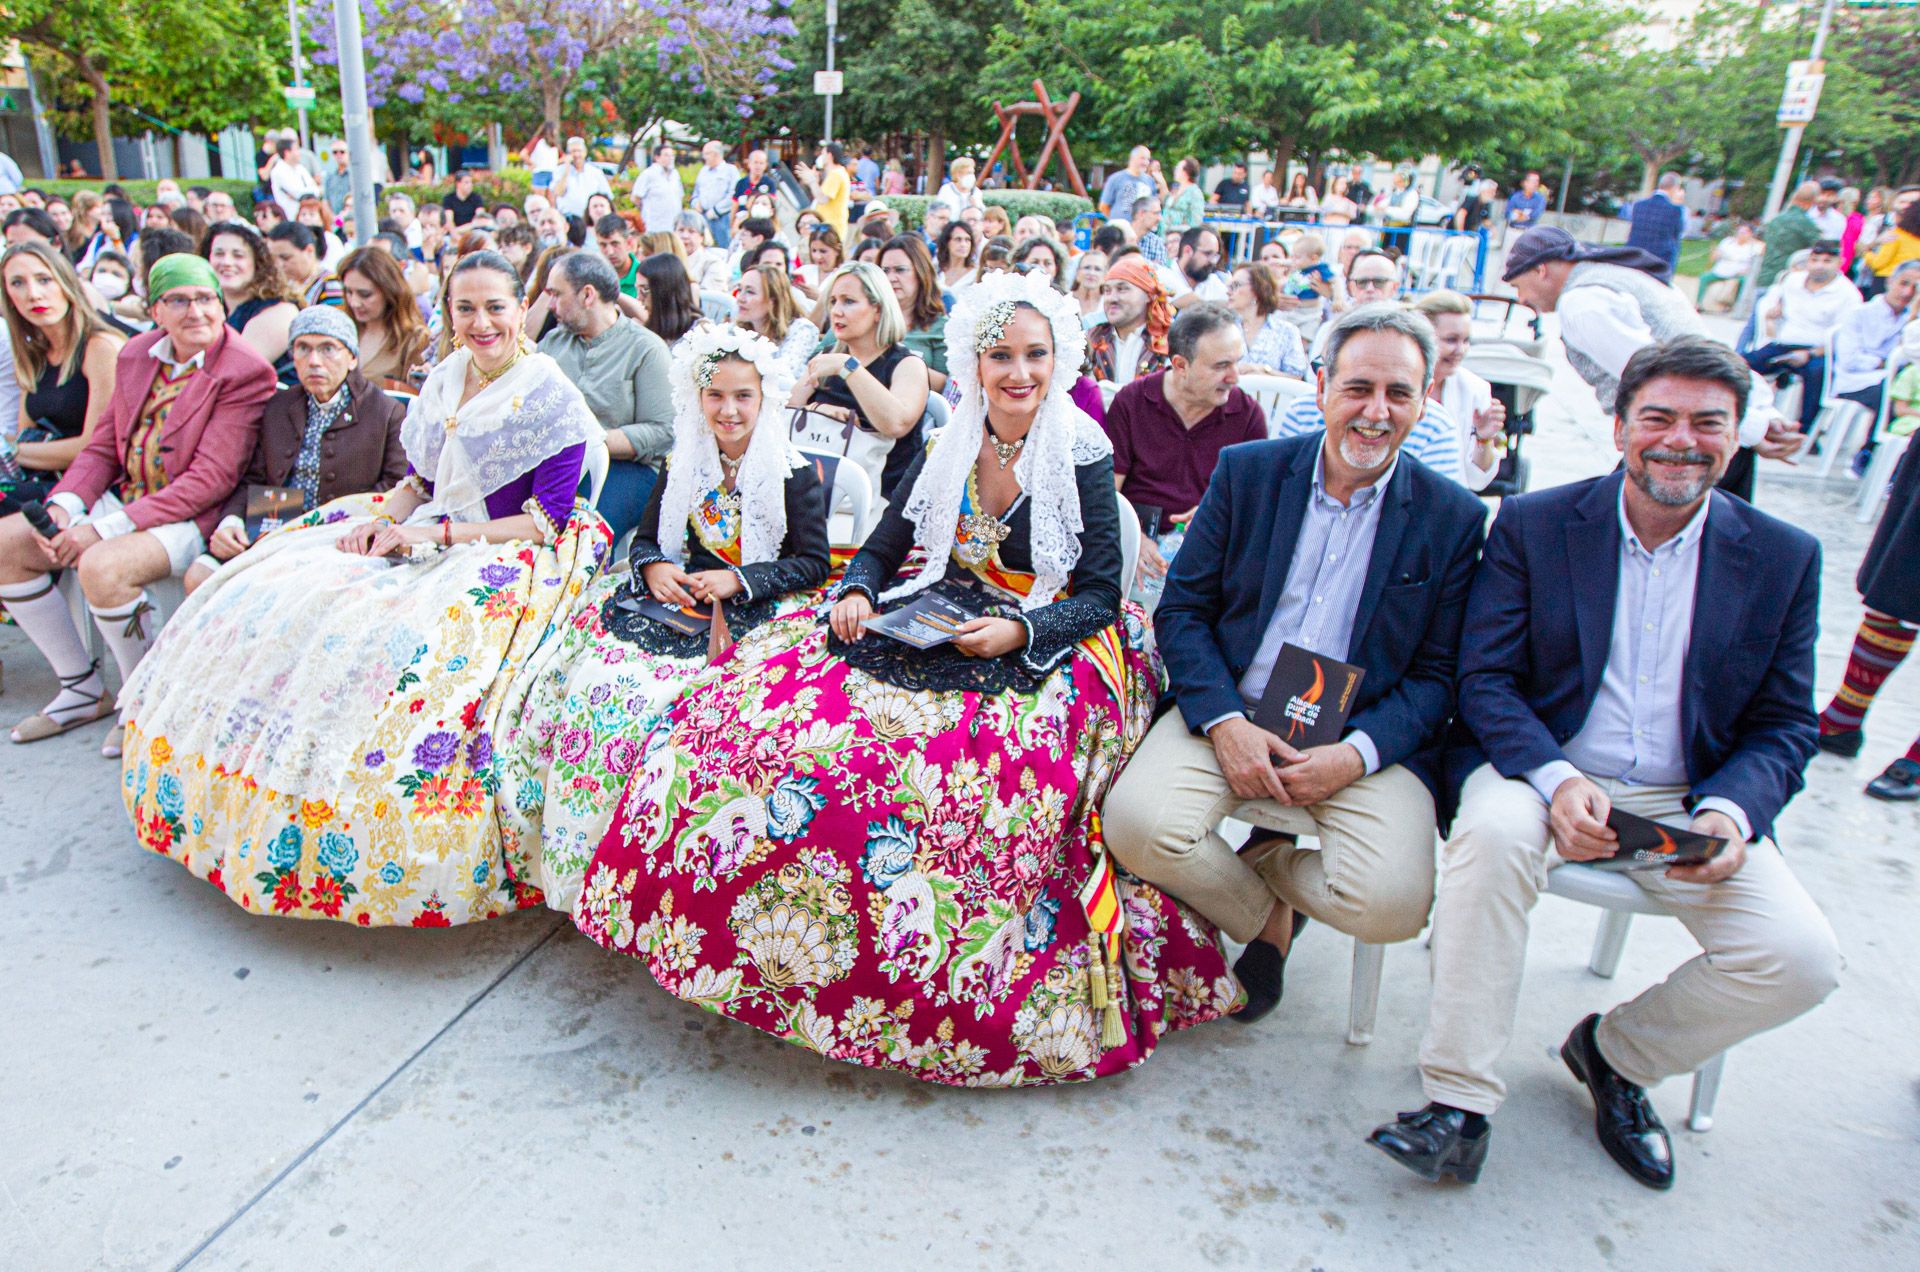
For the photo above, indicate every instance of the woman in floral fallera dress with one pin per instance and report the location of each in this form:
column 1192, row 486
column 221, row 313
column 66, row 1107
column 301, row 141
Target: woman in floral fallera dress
column 890, row 855
column 740, row 517
column 313, row 732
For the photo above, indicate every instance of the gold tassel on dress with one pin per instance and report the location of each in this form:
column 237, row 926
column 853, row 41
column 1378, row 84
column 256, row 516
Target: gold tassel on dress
column 1104, row 989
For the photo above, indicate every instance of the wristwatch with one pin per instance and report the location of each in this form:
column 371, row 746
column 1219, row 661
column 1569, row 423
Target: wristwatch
column 848, row 367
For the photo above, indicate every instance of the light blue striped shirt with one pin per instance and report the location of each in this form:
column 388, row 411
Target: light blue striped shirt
column 1434, row 441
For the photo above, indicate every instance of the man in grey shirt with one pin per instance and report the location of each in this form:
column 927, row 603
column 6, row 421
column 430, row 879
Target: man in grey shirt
column 623, row 370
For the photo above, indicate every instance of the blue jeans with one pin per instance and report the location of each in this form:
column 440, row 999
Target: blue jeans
column 718, row 224
column 624, row 497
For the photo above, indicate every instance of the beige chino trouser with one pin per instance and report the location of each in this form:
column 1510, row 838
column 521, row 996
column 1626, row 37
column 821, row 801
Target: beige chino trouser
column 1768, row 954
column 1371, row 877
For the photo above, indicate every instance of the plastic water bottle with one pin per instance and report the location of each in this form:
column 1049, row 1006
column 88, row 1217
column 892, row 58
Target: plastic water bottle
column 10, row 470
column 1148, row 593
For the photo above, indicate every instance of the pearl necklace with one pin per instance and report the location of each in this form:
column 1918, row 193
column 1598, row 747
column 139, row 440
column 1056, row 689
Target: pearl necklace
column 1004, row 451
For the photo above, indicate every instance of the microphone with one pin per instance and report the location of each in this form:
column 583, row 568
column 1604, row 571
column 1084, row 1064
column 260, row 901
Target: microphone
column 37, row 516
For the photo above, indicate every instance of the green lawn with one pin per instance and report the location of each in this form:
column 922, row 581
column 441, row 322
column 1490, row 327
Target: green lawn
column 1695, row 254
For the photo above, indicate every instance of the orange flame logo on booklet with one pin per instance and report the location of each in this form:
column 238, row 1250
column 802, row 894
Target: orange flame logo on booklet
column 1295, row 725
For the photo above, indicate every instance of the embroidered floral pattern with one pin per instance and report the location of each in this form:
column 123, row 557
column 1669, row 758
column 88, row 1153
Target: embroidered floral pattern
column 890, row 876
column 350, row 772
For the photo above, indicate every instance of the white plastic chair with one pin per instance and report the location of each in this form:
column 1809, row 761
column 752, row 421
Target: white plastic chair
column 937, row 415
column 1129, row 543
column 851, row 487
column 598, row 460
column 718, row 306
column 1274, row 393
column 1887, row 453
column 1838, row 417
column 1619, row 899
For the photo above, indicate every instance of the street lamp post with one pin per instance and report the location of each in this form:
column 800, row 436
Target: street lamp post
column 299, row 71
column 833, row 21
column 355, row 119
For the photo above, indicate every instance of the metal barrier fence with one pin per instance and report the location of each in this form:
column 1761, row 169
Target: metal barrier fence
column 1433, row 256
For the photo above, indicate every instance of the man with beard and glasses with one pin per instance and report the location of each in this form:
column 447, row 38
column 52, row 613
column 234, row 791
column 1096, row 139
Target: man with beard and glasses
column 1638, row 641
column 1330, row 543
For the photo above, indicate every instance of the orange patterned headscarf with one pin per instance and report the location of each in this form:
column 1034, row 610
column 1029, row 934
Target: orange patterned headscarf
column 1134, row 269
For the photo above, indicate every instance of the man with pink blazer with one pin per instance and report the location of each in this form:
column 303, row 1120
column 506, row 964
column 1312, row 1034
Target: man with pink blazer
column 138, row 503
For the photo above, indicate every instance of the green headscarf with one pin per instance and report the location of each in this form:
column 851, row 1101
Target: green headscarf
column 182, row 269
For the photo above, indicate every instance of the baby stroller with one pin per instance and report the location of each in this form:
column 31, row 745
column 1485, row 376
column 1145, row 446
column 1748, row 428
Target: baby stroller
column 1508, row 353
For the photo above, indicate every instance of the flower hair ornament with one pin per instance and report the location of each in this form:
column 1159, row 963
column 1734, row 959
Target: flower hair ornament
column 1061, row 438
column 694, row 466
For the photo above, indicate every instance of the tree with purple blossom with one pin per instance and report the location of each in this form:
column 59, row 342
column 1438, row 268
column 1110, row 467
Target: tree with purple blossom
column 464, row 49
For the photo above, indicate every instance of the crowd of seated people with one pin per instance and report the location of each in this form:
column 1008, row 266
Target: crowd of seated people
column 993, row 860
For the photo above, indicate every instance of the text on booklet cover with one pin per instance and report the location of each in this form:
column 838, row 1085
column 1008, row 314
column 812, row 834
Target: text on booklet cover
column 1308, row 698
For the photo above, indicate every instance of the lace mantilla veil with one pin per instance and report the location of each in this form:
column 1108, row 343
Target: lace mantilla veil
column 1062, row 437
column 693, row 467
column 508, row 428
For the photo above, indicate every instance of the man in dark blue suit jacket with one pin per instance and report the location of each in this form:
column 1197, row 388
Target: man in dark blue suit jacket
column 1638, row 642
column 1338, row 544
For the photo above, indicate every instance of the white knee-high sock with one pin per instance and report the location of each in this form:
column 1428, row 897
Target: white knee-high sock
column 43, row 615
column 129, row 631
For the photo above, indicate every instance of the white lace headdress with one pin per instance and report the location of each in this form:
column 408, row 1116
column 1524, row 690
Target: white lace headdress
column 694, row 468
column 1062, row 436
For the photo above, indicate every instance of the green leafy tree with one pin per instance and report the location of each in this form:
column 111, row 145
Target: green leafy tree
column 194, row 64
column 1395, row 78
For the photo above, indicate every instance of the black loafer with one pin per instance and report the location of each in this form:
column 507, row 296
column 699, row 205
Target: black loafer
column 1623, row 1117
column 1846, row 744
column 1901, row 781
column 1261, row 970
column 1438, row 1140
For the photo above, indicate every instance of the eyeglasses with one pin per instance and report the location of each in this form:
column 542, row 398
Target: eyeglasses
column 1371, row 281
column 181, row 304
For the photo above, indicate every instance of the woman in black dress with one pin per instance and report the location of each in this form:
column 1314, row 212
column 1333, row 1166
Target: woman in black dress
column 869, row 378
column 63, row 354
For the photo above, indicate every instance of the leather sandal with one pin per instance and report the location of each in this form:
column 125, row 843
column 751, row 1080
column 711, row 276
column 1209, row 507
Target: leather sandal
column 116, row 736
column 91, row 708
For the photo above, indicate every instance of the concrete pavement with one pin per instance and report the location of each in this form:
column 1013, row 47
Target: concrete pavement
column 189, row 1085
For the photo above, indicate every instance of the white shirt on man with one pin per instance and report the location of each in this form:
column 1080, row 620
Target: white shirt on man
column 1126, row 354
column 660, row 195
column 289, row 182
column 1607, row 327
column 1809, row 315
column 582, row 184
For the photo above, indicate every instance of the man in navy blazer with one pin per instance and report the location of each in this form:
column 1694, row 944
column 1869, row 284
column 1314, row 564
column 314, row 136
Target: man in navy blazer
column 1644, row 643
column 1339, row 544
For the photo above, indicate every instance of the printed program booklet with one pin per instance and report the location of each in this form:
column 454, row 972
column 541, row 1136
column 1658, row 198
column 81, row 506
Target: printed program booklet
column 1645, row 844
column 927, row 620
column 1308, row 698
column 687, row 620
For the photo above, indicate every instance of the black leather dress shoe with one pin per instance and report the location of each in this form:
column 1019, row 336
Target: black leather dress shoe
column 1623, row 1117
column 1261, row 970
column 1846, row 744
column 1900, row 781
column 1438, row 1140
